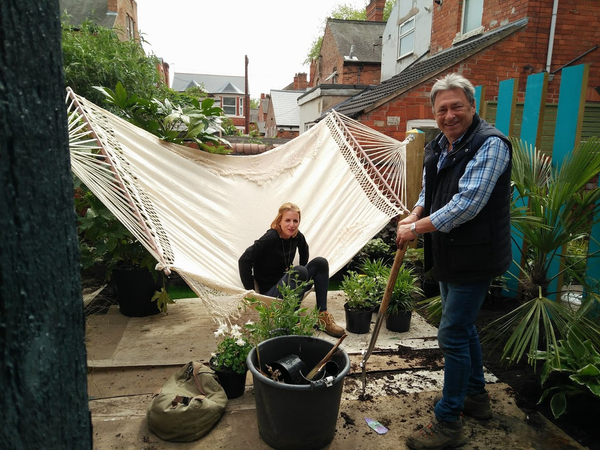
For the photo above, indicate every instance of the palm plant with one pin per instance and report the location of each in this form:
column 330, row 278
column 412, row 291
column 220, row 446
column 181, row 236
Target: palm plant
column 562, row 211
column 558, row 206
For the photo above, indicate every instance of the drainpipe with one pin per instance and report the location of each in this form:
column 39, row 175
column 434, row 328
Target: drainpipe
column 552, row 32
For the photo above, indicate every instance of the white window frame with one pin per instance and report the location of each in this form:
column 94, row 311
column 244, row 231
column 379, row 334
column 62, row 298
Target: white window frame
column 224, row 106
column 241, row 103
column 422, row 124
column 403, row 35
column 471, row 9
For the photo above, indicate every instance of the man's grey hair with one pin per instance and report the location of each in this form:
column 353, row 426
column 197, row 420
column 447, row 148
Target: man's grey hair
column 452, row 81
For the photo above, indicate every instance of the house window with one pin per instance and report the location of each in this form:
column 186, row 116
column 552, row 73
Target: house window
column 241, row 107
column 228, row 105
column 130, row 27
column 472, row 14
column 406, row 38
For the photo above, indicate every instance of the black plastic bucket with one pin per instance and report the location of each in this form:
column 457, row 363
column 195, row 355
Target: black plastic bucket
column 297, row 417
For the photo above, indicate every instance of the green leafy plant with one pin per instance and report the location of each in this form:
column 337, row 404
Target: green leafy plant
column 232, row 349
column 377, row 270
column 95, row 56
column 103, row 240
column 580, row 360
column 405, row 292
column 576, row 261
column 433, row 309
column 359, row 289
column 282, row 316
column 199, row 122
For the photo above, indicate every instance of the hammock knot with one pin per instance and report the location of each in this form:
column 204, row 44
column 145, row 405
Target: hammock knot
column 164, row 268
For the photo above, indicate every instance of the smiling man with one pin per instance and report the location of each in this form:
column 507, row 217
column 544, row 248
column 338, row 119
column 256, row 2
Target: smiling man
column 464, row 212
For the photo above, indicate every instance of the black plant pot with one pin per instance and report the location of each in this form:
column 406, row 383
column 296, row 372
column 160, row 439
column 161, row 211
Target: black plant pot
column 358, row 321
column 135, row 288
column 297, row 416
column 398, row 321
column 232, row 382
column 431, row 288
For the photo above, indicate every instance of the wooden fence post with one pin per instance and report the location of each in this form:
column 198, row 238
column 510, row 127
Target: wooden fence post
column 414, row 169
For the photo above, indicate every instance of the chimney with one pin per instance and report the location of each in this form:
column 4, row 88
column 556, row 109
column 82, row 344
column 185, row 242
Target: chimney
column 302, row 82
column 313, row 73
column 375, row 10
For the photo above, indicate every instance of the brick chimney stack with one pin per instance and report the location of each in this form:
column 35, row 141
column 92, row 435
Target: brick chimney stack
column 300, row 82
column 375, row 10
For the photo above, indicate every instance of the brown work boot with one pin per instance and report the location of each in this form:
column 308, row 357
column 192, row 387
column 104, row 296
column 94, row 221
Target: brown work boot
column 331, row 328
column 476, row 406
column 437, row 435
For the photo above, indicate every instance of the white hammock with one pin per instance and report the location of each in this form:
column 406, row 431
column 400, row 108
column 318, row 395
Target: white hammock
column 197, row 212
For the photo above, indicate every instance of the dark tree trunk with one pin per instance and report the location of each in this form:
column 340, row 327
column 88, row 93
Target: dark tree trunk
column 43, row 403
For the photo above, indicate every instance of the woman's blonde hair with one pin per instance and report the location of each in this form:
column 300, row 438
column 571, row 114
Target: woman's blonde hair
column 276, row 224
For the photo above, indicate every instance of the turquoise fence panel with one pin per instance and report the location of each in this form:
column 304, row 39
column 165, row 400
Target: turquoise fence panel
column 506, row 106
column 533, row 110
column 478, row 91
column 507, row 92
column 571, row 102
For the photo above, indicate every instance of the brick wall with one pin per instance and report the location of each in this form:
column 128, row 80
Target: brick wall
column 125, row 8
column 348, row 72
column 518, row 56
column 329, row 59
column 361, row 74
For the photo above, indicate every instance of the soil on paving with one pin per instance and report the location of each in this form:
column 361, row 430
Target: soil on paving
column 579, row 422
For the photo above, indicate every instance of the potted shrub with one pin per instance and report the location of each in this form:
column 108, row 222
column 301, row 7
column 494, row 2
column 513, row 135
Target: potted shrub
column 104, row 241
column 377, row 270
column 360, row 290
column 402, row 301
column 229, row 361
column 293, row 416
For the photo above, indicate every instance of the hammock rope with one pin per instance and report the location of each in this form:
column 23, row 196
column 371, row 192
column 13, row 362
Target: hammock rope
column 197, row 212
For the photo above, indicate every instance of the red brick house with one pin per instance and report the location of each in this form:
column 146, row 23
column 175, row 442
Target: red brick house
column 349, row 61
column 117, row 14
column 487, row 41
column 228, row 92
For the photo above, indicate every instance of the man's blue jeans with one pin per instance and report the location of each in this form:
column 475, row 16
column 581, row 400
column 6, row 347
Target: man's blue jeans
column 459, row 342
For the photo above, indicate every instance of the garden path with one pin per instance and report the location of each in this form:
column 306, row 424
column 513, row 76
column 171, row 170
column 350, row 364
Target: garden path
column 130, row 358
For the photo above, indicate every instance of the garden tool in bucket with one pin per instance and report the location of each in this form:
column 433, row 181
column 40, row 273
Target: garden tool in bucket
column 389, row 288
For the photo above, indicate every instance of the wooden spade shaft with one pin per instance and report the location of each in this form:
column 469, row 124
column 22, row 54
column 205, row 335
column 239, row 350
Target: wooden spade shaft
column 389, row 288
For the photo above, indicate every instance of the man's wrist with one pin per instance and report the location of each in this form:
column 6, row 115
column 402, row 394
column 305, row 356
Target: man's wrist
column 413, row 229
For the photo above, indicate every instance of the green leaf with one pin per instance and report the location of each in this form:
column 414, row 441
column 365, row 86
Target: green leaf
column 162, row 299
column 558, row 404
